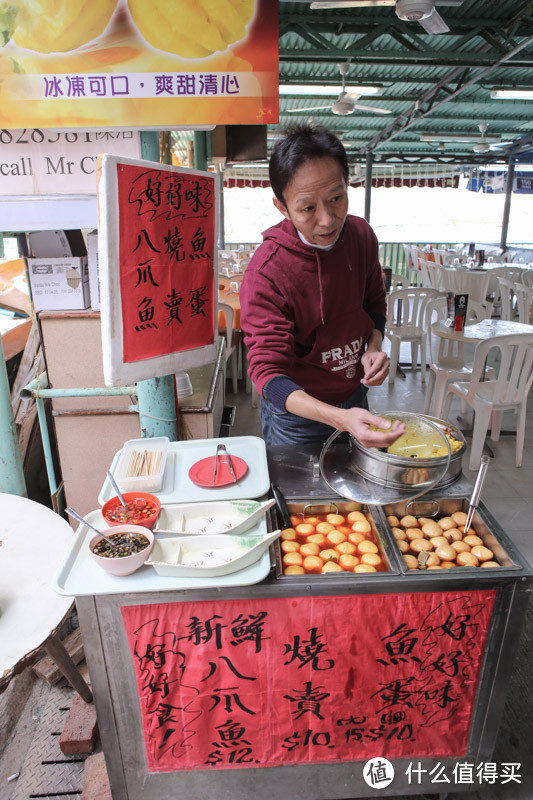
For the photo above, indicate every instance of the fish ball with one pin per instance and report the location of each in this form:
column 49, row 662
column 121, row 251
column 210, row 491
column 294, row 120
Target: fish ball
column 459, row 517
column 483, row 553
column 467, row 560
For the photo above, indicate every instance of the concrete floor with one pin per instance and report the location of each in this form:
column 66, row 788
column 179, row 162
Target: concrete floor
column 509, row 496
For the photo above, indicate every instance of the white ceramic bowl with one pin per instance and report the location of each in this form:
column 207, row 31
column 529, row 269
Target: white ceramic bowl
column 124, row 565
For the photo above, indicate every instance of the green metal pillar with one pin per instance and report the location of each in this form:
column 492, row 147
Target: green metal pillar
column 157, row 399
column 11, row 469
column 200, row 150
column 368, row 184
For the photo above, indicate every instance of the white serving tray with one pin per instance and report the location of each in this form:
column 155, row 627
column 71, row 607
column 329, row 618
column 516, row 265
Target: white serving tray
column 193, row 519
column 80, row 575
column 177, row 486
column 209, row 556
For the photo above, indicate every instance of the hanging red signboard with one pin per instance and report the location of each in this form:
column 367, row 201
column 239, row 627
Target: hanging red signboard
column 266, row 682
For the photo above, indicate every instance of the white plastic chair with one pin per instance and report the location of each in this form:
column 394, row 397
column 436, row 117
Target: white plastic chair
column 524, row 302
column 425, row 272
column 446, row 361
column 406, row 322
column 490, row 398
column 492, row 298
column 398, row 281
column 527, row 278
column 507, row 298
column 232, row 346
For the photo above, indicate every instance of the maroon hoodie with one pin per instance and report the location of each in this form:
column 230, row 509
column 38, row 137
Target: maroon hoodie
column 307, row 313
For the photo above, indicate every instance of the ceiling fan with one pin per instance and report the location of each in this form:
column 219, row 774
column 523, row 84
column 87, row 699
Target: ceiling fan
column 482, row 146
column 422, row 11
column 346, row 102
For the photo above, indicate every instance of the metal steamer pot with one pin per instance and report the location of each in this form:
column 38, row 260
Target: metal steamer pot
column 375, row 477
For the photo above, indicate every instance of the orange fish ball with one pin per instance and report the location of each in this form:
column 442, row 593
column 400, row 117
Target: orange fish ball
column 371, row 558
column 331, row 566
column 304, row 529
column 483, row 553
column 335, row 519
column 361, row 526
column 328, row 554
column 296, row 519
column 460, row 546
column 393, row 521
column 313, row 564
column 355, row 515
column 292, row 558
column 414, row 533
column 432, row 560
column 490, row 564
column 309, row 549
column 454, row 534
column 473, row 540
column 459, row 517
column 367, row 547
column 290, row 547
column 423, row 520
column 411, row 562
column 467, row 560
column 324, row 527
column 312, row 520
column 398, row 533
column 434, row 566
column 431, row 528
column 346, row 547
column 294, row 569
column 409, row 521
column 447, row 564
column 289, row 534
column 317, row 538
column 348, row 562
column 335, row 537
column 403, row 546
column 364, row 568
column 355, row 537
column 445, row 523
column 418, row 545
column 436, row 541
column 446, row 552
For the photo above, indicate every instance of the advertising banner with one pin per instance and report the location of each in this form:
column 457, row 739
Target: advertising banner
column 228, row 684
column 146, row 64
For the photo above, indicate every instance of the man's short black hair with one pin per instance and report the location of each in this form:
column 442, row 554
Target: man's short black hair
column 300, row 144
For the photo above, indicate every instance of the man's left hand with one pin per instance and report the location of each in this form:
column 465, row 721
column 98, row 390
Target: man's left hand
column 376, row 366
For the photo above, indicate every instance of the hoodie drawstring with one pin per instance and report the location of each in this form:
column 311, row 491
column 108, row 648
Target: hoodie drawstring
column 320, row 285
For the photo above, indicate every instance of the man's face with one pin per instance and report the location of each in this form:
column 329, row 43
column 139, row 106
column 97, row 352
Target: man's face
column 316, row 201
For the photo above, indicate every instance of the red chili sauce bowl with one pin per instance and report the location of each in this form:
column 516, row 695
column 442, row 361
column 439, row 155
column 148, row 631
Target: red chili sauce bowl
column 142, row 508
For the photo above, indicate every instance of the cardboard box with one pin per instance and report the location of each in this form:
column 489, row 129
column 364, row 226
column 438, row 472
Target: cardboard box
column 94, row 281
column 59, row 283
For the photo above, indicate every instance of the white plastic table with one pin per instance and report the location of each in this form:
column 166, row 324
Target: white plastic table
column 486, row 329
column 33, row 543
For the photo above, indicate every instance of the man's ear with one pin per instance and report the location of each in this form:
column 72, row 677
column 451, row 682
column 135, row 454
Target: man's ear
column 281, row 207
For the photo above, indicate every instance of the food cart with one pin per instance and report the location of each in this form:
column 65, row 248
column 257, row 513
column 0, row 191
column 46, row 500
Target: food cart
column 268, row 684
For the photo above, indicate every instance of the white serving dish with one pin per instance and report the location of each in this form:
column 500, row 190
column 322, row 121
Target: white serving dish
column 144, row 483
column 207, row 556
column 193, row 519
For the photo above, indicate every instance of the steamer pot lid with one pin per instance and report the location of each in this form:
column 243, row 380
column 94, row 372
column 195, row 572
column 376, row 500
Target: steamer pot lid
column 340, row 463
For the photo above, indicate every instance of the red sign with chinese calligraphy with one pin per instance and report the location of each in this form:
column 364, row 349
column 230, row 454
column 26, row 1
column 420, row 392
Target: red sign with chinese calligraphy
column 166, row 250
column 258, row 683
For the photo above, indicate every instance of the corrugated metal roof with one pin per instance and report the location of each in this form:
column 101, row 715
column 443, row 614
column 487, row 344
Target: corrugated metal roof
column 432, row 84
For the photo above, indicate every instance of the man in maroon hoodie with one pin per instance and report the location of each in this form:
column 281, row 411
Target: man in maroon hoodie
column 313, row 302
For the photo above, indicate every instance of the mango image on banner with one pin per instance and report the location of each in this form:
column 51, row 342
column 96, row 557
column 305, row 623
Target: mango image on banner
column 191, row 30
column 53, row 26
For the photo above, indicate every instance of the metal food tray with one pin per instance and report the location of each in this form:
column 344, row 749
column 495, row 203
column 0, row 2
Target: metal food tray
column 484, row 524
column 177, row 486
column 80, row 575
column 388, row 552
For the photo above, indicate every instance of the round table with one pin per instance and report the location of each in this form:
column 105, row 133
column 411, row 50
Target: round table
column 486, row 329
column 33, row 543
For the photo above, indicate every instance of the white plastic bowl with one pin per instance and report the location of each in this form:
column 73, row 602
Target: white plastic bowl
column 125, row 565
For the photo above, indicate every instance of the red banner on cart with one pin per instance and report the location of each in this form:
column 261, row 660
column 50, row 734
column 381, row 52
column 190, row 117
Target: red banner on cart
column 259, row 683
column 166, row 250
